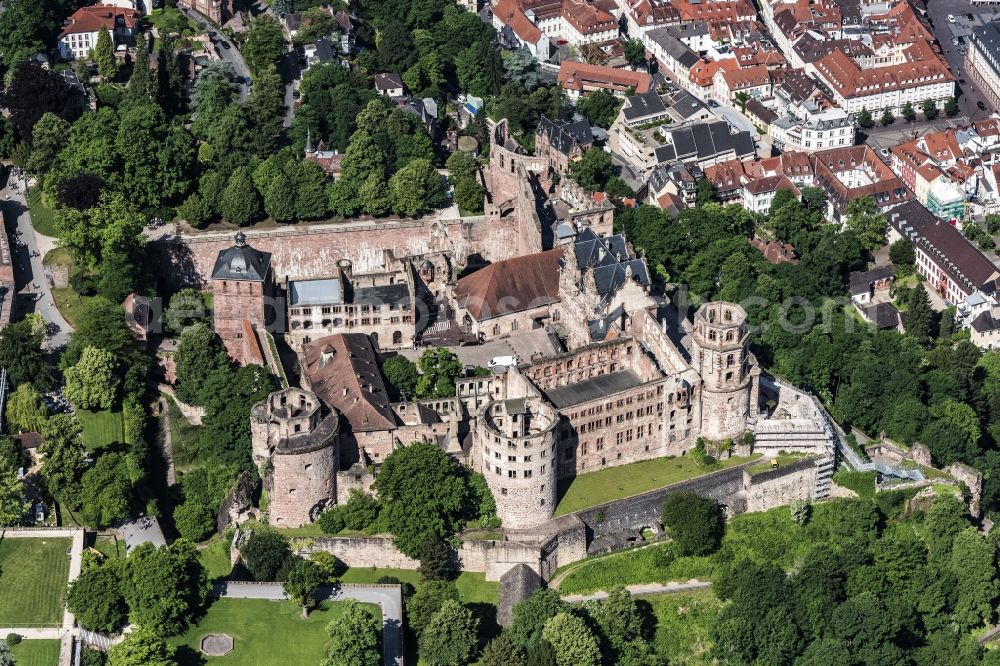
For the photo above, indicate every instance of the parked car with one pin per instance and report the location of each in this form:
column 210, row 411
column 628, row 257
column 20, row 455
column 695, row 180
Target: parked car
column 981, row 106
column 296, row 94
column 225, row 45
column 712, row 104
column 951, row 18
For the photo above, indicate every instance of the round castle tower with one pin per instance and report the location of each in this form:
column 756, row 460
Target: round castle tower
column 721, row 341
column 292, row 431
column 516, row 439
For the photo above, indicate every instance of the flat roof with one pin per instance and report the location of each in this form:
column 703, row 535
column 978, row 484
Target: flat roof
column 592, row 389
column 315, row 292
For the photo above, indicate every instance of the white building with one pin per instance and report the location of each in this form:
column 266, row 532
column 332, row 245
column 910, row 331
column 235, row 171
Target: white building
column 79, row 36
column 808, row 128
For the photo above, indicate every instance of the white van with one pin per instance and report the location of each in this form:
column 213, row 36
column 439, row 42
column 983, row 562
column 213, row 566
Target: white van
column 501, row 363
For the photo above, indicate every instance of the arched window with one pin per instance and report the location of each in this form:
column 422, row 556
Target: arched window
column 729, row 336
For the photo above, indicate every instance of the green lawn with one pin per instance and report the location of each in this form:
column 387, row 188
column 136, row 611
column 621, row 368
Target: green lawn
column 639, row 565
column 215, row 559
column 110, row 546
column 171, row 20
column 614, row 483
column 42, row 217
column 36, row 653
column 266, row 633
column 101, row 429
column 473, row 587
column 33, row 576
column 67, row 300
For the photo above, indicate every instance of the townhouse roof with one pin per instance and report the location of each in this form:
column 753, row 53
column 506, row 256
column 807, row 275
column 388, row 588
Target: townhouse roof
column 643, row 106
column 946, row 246
column 704, row 72
column 941, row 146
column 581, row 76
column 883, row 315
column 95, row 17
column 985, row 322
column 510, row 14
column 810, row 49
column 727, row 175
column 342, row 370
column 775, row 252
column 923, row 67
column 987, row 127
column 861, row 281
column 751, row 77
column 511, row 285
column 884, row 187
column 673, row 46
column 587, row 18
column 987, row 38
column 770, row 184
column 796, row 84
column 388, row 81
column 565, row 135
column 766, row 115
column 721, row 10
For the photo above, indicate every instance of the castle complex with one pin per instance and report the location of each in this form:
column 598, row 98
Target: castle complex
column 617, row 383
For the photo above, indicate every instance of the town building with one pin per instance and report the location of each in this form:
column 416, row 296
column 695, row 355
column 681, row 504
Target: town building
column 78, row 36
column 577, row 78
column 808, row 128
column 952, row 265
column 846, row 174
column 562, row 142
column 982, row 60
column 389, row 84
column 217, row 11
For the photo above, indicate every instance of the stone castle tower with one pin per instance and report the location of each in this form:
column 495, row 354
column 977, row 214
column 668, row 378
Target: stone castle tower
column 720, row 354
column 294, row 434
column 242, row 286
column 517, row 443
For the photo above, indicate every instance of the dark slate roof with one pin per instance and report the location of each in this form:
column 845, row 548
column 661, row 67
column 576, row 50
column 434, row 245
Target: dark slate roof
column 646, row 104
column 704, row 141
column 985, row 322
column 685, row 104
column 324, row 50
column 861, row 281
column 519, row 583
column 674, row 47
column 397, row 293
column 951, row 250
column 883, row 315
column 765, row 114
column 592, row 389
column 599, row 327
column 242, row 262
column 987, row 38
column 564, row 135
column 609, row 259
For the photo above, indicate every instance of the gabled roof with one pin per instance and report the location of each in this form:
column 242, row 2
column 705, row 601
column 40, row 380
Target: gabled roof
column 343, row 371
column 641, row 106
column 581, row 76
column 94, row 17
column 388, row 81
column 564, row 136
column 512, row 285
column 242, row 262
column 609, row 259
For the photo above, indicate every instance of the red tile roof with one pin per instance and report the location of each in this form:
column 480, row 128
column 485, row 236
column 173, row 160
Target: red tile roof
column 91, row 19
column 583, row 77
column 511, row 285
column 923, row 67
column 510, row 14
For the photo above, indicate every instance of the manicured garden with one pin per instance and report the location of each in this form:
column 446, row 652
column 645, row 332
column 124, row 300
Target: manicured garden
column 594, row 488
column 33, row 575
column 101, row 428
column 36, row 653
column 43, row 218
column 265, row 632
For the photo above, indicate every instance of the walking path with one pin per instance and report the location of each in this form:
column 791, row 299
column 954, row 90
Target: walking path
column 645, row 588
column 388, row 597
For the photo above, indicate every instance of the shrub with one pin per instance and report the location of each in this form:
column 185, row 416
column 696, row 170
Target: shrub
column 695, row 523
column 13, row 639
column 331, row 521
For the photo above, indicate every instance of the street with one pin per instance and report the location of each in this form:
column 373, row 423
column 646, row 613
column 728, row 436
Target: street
column 28, row 269
column 231, row 55
column 938, row 12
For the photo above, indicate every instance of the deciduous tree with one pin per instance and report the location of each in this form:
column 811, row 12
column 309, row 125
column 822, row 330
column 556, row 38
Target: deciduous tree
column 354, row 638
column 572, row 640
column 695, row 524
column 164, row 586
column 264, row 43
column 143, row 646
column 96, row 599
column 301, row 584
column 264, row 553
column 450, row 636
column 93, row 382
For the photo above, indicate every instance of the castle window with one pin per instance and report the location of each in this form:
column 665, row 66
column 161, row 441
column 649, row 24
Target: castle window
column 497, row 470
column 527, row 473
column 729, row 360
column 503, row 491
column 298, row 427
column 512, row 474
column 729, row 376
column 308, row 466
column 542, row 471
column 541, row 502
column 511, row 458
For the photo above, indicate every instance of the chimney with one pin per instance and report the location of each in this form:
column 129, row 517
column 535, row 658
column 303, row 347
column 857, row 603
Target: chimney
column 345, row 391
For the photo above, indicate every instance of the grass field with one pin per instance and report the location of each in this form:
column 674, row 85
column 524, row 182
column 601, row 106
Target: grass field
column 473, row 587
column 640, row 565
column 36, row 653
column 33, row 575
column 265, row 632
column 42, row 217
column 215, row 559
column 683, row 622
column 614, row 483
column 110, row 546
column 101, row 429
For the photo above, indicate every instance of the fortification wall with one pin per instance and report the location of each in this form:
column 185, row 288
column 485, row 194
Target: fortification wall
column 781, row 486
column 309, row 251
